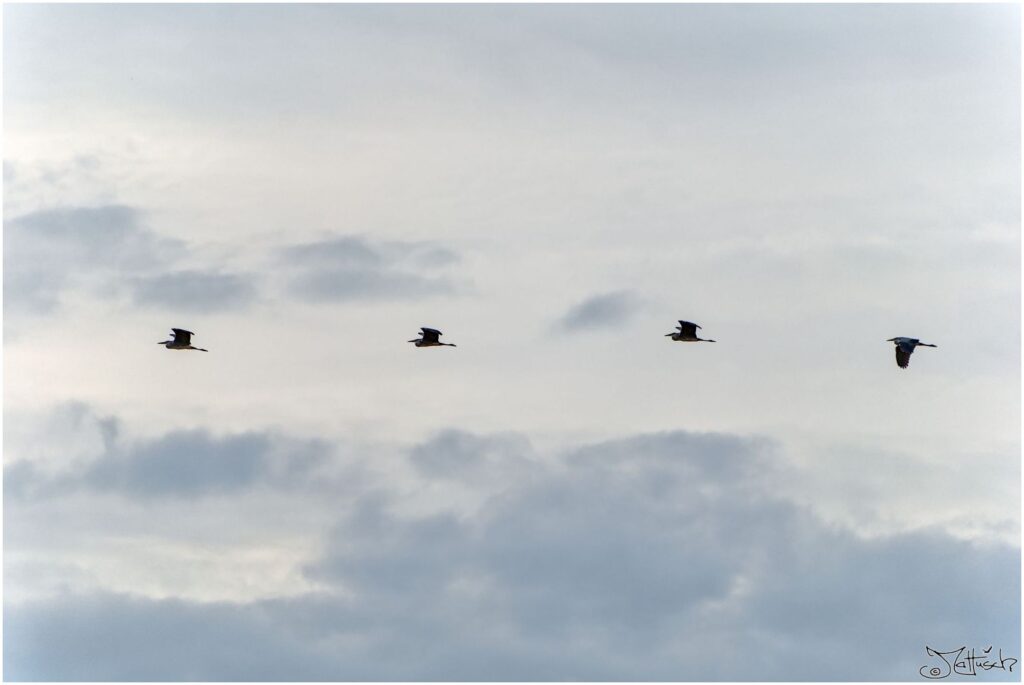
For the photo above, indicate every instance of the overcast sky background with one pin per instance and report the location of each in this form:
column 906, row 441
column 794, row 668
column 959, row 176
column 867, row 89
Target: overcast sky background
column 567, row 494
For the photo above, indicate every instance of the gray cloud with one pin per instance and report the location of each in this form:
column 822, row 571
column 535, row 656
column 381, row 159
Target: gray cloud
column 179, row 464
column 47, row 251
column 109, row 637
column 607, row 538
column 600, row 311
column 658, row 557
column 191, row 463
column 324, row 285
column 191, row 290
column 460, row 455
column 346, row 251
column 351, row 267
column 106, row 249
column 664, row 556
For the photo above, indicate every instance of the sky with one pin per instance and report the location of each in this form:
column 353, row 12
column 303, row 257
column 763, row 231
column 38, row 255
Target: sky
column 567, row 494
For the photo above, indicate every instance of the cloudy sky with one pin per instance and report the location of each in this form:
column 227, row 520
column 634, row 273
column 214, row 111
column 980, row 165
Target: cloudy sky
column 567, row 494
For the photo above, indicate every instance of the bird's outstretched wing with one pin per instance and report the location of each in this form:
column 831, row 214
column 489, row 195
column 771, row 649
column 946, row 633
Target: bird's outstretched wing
column 903, row 353
column 688, row 329
column 182, row 336
column 431, row 334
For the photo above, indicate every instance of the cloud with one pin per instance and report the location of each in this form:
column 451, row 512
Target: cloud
column 620, row 535
column 455, row 454
column 662, row 556
column 192, row 463
column 60, row 438
column 141, row 639
column 600, row 311
column 351, row 268
column 187, row 464
column 107, row 250
column 49, row 251
column 192, row 290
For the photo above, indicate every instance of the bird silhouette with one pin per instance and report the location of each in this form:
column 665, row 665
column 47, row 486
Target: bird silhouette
column 687, row 333
column 182, row 341
column 905, row 348
column 429, row 338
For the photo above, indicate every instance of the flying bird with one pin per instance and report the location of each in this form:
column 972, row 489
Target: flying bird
column 687, row 333
column 182, row 341
column 429, row 338
column 905, row 348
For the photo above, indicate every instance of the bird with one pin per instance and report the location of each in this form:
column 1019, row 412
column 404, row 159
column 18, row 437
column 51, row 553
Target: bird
column 905, row 348
column 429, row 338
column 182, row 341
column 687, row 333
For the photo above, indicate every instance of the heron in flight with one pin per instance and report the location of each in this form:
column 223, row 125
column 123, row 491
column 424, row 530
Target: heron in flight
column 429, row 338
column 905, row 348
column 182, row 341
column 687, row 333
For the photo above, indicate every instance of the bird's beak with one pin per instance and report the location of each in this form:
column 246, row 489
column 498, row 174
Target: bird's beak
column 891, row 340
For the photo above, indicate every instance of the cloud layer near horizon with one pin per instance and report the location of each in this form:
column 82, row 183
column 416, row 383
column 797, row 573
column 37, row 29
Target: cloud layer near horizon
column 652, row 557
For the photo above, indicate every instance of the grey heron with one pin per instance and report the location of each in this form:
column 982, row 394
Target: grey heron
column 905, row 348
column 182, row 341
column 429, row 338
column 687, row 333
